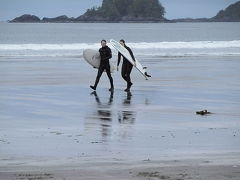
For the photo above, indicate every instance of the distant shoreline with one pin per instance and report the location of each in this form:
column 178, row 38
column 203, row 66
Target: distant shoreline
column 230, row 14
column 97, row 22
column 107, row 22
column 180, row 20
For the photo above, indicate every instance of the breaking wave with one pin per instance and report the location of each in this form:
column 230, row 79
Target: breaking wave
column 193, row 48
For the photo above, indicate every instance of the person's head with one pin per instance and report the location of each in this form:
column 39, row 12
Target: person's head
column 103, row 43
column 122, row 42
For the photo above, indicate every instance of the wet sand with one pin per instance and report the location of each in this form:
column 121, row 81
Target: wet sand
column 52, row 126
column 196, row 169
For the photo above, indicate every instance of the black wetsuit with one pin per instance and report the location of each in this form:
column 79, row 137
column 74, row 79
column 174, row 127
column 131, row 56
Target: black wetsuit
column 106, row 54
column 126, row 67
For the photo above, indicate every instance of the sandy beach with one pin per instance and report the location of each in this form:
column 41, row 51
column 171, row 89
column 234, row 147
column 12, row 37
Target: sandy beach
column 54, row 127
column 212, row 168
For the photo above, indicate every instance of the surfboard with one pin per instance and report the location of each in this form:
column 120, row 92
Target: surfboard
column 93, row 58
column 127, row 55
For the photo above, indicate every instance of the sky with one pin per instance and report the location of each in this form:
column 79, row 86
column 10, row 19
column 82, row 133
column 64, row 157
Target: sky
column 9, row 9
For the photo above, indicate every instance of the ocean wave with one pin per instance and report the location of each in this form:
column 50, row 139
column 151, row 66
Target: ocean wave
column 135, row 45
column 37, row 47
column 187, row 45
column 138, row 55
column 156, row 49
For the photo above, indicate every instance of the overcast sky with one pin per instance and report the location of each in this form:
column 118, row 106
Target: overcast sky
column 10, row 9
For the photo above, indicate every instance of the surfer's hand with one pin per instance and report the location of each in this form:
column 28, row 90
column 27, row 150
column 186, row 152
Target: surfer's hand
column 117, row 68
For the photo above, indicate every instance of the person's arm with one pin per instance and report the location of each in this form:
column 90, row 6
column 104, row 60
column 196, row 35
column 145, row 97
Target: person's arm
column 109, row 54
column 131, row 53
column 100, row 52
column 119, row 59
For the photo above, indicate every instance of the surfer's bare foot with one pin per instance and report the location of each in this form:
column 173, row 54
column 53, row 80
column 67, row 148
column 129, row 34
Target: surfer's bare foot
column 94, row 88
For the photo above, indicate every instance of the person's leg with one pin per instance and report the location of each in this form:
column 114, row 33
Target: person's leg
column 128, row 78
column 128, row 72
column 124, row 69
column 100, row 71
column 108, row 71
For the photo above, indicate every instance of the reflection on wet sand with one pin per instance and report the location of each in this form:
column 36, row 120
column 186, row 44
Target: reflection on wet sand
column 106, row 113
column 127, row 116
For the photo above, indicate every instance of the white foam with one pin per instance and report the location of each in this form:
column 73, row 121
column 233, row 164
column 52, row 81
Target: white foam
column 138, row 45
column 165, row 49
column 187, row 45
column 36, row 47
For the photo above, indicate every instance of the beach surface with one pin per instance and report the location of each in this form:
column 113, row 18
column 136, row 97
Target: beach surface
column 52, row 126
column 212, row 168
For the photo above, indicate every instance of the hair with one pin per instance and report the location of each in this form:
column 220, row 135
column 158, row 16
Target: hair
column 103, row 40
column 122, row 41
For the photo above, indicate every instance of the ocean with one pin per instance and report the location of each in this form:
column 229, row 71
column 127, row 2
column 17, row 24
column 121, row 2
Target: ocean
column 162, row 40
column 48, row 113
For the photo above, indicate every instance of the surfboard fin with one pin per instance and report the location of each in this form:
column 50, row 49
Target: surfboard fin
column 146, row 74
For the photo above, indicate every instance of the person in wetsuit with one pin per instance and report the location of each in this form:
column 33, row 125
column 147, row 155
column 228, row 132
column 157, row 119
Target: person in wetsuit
column 105, row 54
column 126, row 66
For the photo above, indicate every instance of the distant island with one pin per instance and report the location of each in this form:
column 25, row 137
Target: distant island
column 131, row 11
column 125, row 11
column 230, row 14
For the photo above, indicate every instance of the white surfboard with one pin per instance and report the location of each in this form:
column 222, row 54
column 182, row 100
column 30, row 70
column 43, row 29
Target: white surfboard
column 127, row 55
column 93, row 58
